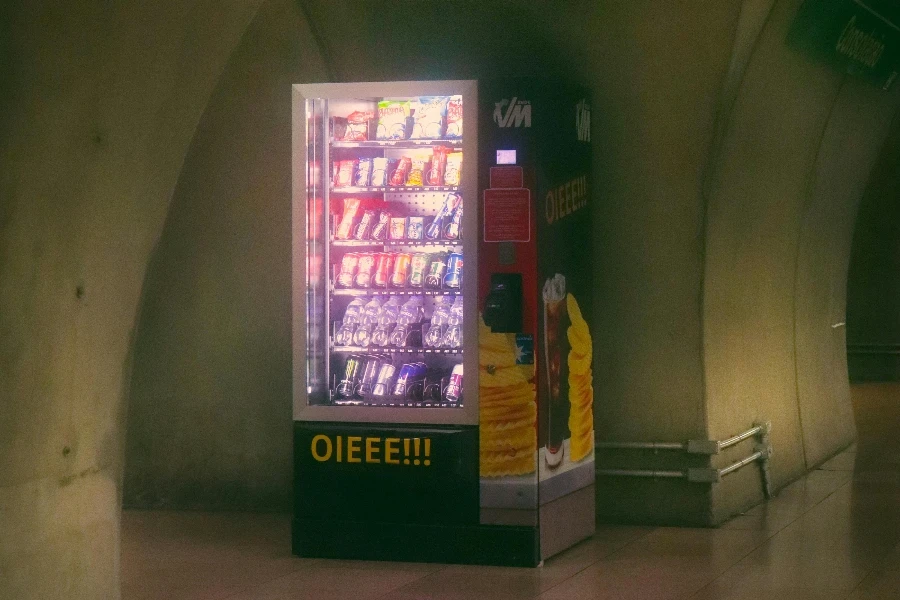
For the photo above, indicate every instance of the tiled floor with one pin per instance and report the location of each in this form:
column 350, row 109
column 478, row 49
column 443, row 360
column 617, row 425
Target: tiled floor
column 834, row 534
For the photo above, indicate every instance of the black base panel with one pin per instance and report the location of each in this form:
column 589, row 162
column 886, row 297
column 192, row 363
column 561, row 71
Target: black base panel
column 462, row 544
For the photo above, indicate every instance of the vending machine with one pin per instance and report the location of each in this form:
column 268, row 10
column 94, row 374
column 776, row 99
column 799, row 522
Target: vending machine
column 442, row 354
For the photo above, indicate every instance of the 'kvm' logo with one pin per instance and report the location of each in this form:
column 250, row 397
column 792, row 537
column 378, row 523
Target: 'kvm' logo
column 517, row 113
column 583, row 121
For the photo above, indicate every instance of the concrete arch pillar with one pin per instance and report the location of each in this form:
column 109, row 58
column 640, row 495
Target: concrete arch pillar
column 100, row 103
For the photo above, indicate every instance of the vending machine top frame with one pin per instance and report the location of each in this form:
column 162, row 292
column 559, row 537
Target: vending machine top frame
column 306, row 292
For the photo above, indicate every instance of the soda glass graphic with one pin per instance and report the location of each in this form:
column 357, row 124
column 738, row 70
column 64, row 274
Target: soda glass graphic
column 554, row 295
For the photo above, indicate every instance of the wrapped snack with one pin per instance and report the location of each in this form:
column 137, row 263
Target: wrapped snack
column 351, row 208
column 454, row 117
column 338, row 128
column 438, row 166
column 417, row 172
column 364, row 228
column 398, row 228
column 415, row 226
column 379, row 172
column 357, row 126
column 392, row 116
column 379, row 231
column 398, row 177
column 363, row 172
column 453, row 174
column 452, row 231
column 343, row 177
column 430, row 118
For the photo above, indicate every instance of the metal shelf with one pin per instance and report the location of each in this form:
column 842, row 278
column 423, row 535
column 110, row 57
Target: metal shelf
column 393, row 292
column 389, row 350
column 390, row 189
column 414, row 243
column 388, row 403
column 455, row 143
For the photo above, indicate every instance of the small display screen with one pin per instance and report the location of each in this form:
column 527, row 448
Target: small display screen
column 506, row 157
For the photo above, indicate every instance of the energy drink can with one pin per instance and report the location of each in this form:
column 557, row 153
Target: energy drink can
column 417, row 269
column 454, row 388
column 347, row 384
column 369, row 376
column 383, row 263
column 410, row 374
column 453, row 278
column 400, row 272
column 348, row 269
column 385, row 379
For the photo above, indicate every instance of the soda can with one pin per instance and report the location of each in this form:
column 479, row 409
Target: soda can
column 369, row 376
column 383, row 263
column 365, row 269
column 348, row 269
column 454, row 388
column 347, row 384
column 418, row 266
column 385, row 379
column 435, row 275
column 453, row 278
column 410, row 374
column 400, row 272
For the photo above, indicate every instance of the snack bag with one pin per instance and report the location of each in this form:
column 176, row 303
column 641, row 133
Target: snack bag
column 357, row 129
column 379, row 172
column 398, row 228
column 364, row 227
column 453, row 174
column 363, row 172
column 398, row 177
column 351, row 207
column 430, row 118
column 414, row 227
column 454, row 117
column 438, row 166
column 344, row 175
column 392, row 116
column 416, row 172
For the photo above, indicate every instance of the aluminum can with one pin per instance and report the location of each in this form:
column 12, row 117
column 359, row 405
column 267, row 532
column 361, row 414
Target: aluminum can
column 400, row 272
column 369, row 376
column 365, row 269
column 410, row 373
column 434, row 278
column 383, row 263
column 453, row 278
column 454, row 388
column 418, row 266
column 347, row 384
column 385, row 379
column 348, row 269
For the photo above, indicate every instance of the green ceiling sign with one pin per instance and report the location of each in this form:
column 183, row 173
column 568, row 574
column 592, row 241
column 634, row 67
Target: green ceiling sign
column 858, row 36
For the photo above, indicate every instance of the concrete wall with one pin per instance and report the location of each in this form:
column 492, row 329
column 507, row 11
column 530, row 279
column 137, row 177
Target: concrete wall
column 209, row 423
column 873, row 292
column 99, row 105
column 794, row 156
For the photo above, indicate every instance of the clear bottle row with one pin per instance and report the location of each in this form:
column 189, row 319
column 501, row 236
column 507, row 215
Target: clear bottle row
column 373, row 322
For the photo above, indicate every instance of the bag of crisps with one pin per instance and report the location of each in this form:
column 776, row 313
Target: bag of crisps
column 430, row 118
column 454, row 117
column 392, row 116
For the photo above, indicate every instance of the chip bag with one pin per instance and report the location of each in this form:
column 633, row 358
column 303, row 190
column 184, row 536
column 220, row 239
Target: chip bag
column 343, row 176
column 417, row 172
column 357, row 128
column 430, row 118
column 398, row 177
column 453, row 174
column 438, row 166
column 351, row 207
column 392, row 116
column 454, row 117
column 363, row 172
column 379, row 172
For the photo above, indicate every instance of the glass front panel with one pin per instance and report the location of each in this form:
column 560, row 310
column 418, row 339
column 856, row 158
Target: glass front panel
column 384, row 245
